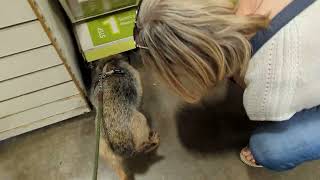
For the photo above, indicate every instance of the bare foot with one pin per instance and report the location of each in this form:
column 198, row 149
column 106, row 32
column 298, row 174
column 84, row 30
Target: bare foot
column 248, row 158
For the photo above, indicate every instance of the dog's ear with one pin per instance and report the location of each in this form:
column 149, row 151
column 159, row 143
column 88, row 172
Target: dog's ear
column 151, row 145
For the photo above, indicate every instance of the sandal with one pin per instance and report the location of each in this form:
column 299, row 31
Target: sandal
column 246, row 161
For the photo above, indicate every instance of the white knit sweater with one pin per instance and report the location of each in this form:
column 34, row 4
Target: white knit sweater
column 283, row 77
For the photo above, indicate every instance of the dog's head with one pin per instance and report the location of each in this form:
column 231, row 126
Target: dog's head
column 104, row 65
column 101, row 67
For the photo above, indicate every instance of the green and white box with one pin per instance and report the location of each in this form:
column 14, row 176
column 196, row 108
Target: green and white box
column 84, row 9
column 106, row 36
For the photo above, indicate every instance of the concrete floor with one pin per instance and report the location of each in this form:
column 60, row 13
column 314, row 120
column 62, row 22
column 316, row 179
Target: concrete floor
column 199, row 142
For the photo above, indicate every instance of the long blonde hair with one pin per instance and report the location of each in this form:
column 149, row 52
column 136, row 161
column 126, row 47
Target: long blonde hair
column 202, row 39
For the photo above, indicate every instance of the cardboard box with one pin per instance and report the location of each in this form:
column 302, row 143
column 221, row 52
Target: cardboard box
column 107, row 35
column 86, row 9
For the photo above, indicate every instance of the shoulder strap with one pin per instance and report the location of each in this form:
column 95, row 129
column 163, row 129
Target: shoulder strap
column 282, row 19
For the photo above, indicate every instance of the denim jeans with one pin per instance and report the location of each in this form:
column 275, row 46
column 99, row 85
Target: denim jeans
column 282, row 146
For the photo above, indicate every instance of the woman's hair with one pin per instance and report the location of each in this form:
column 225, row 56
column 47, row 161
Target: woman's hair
column 195, row 42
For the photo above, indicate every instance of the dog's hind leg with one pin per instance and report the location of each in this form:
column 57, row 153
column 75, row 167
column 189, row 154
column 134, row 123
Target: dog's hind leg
column 113, row 160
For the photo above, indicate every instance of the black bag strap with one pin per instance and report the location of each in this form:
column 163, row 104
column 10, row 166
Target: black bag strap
column 278, row 22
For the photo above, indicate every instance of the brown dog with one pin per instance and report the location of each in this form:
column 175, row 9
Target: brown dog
column 125, row 131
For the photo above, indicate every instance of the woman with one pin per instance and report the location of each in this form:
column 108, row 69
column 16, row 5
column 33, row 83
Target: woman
column 209, row 40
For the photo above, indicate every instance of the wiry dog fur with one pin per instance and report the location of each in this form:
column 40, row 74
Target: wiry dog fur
column 125, row 131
